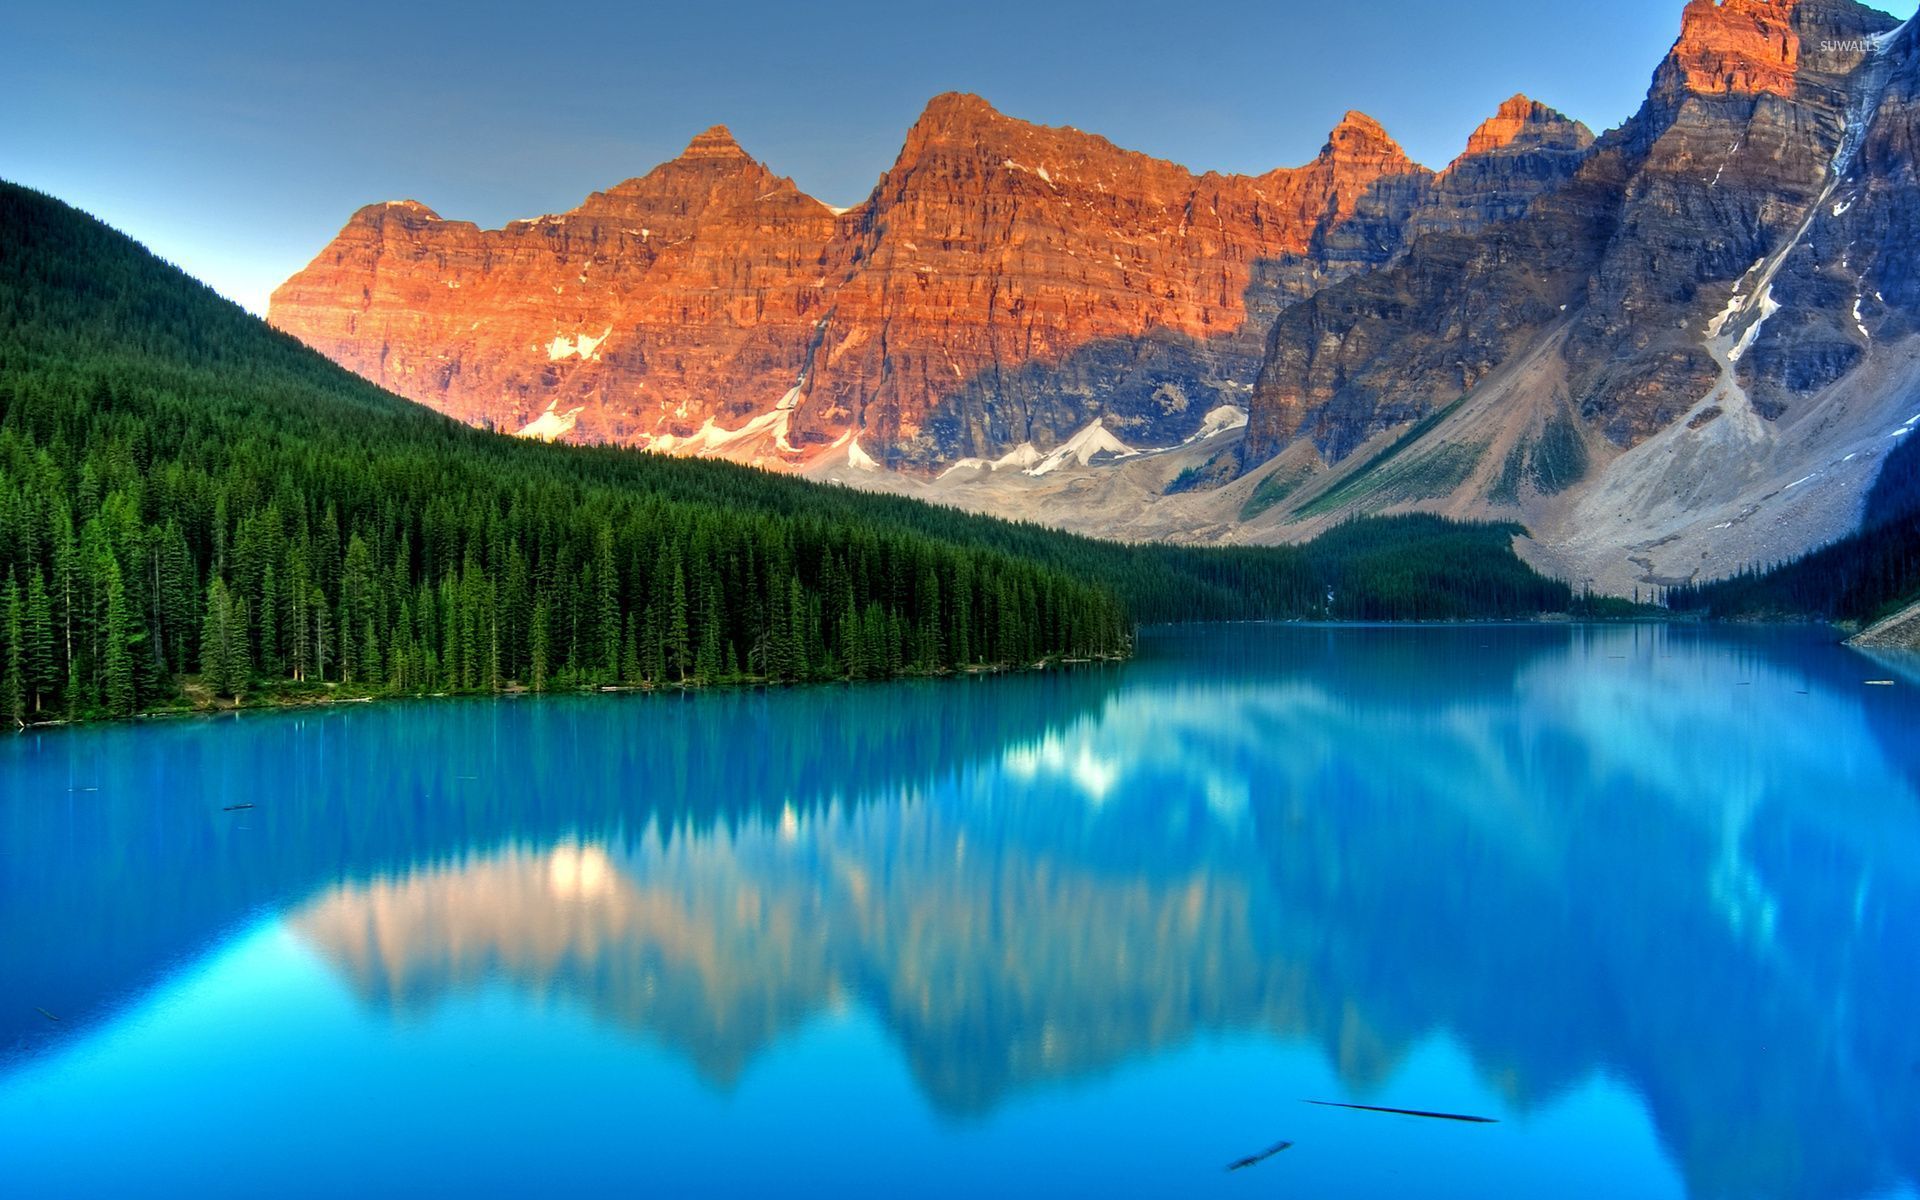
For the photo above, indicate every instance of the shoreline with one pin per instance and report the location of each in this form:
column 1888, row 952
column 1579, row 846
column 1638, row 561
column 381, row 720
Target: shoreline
column 332, row 699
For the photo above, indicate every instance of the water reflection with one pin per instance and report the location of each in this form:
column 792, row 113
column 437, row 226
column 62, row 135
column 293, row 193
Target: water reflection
column 1688, row 861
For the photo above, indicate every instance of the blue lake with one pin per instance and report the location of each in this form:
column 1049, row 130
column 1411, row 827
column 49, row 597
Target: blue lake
column 1649, row 898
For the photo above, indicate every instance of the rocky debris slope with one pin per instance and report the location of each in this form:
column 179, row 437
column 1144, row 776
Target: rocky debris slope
column 1901, row 631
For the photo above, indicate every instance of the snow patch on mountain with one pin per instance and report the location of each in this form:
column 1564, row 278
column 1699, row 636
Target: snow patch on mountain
column 550, row 424
column 1017, row 459
column 1220, row 420
column 582, row 345
column 1095, row 441
column 1768, row 307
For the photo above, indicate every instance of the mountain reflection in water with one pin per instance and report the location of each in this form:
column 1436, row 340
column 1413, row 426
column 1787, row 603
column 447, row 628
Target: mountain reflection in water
column 1684, row 860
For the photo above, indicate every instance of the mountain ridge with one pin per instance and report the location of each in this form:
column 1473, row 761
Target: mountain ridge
column 994, row 288
column 1628, row 343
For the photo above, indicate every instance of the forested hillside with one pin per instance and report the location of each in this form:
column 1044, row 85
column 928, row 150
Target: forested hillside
column 193, row 504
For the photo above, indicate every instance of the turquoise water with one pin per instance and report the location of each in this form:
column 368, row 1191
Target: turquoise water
column 1649, row 898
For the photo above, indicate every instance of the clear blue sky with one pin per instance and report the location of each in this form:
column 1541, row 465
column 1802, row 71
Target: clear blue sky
column 236, row 138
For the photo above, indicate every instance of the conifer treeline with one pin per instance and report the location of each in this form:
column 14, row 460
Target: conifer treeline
column 121, row 581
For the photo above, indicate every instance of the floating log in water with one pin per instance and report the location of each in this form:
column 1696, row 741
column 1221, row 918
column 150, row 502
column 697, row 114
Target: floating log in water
column 235, row 807
column 1254, row 1160
column 1408, row 1112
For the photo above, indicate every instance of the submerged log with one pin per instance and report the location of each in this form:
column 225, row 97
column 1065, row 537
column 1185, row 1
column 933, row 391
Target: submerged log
column 1408, row 1112
column 1254, row 1160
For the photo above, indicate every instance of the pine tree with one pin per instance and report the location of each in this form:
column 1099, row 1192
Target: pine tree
column 797, row 626
column 630, row 653
column 853, row 643
column 371, row 662
column 779, row 654
column 653, row 646
column 174, row 600
column 66, row 599
column 471, row 634
column 679, row 647
column 42, row 665
column 269, row 617
column 933, row 652
column 239, row 643
column 962, row 619
column 606, row 599
column 874, row 637
column 496, row 679
column 452, row 626
column 120, row 692
column 709, row 665
column 13, row 677
column 322, row 634
column 542, row 645
column 216, row 641
column 300, row 621
column 356, row 610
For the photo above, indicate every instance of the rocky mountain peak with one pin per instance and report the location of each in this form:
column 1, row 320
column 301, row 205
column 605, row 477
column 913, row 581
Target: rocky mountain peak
column 1733, row 48
column 715, row 143
column 1360, row 138
column 712, row 173
column 953, row 117
column 1521, row 120
column 963, row 106
column 409, row 211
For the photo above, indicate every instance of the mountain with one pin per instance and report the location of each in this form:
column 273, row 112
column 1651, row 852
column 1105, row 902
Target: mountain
column 1693, row 356
column 1006, row 284
column 193, row 506
column 1672, row 352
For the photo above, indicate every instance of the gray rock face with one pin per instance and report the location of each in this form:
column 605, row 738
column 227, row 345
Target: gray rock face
column 1853, row 279
column 1524, row 151
column 1153, row 390
column 1396, row 344
column 1901, row 631
column 1721, row 186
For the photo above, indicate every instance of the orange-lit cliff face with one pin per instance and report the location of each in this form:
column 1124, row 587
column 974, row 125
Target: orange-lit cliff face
column 1004, row 283
column 1734, row 48
column 998, row 261
column 688, row 293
